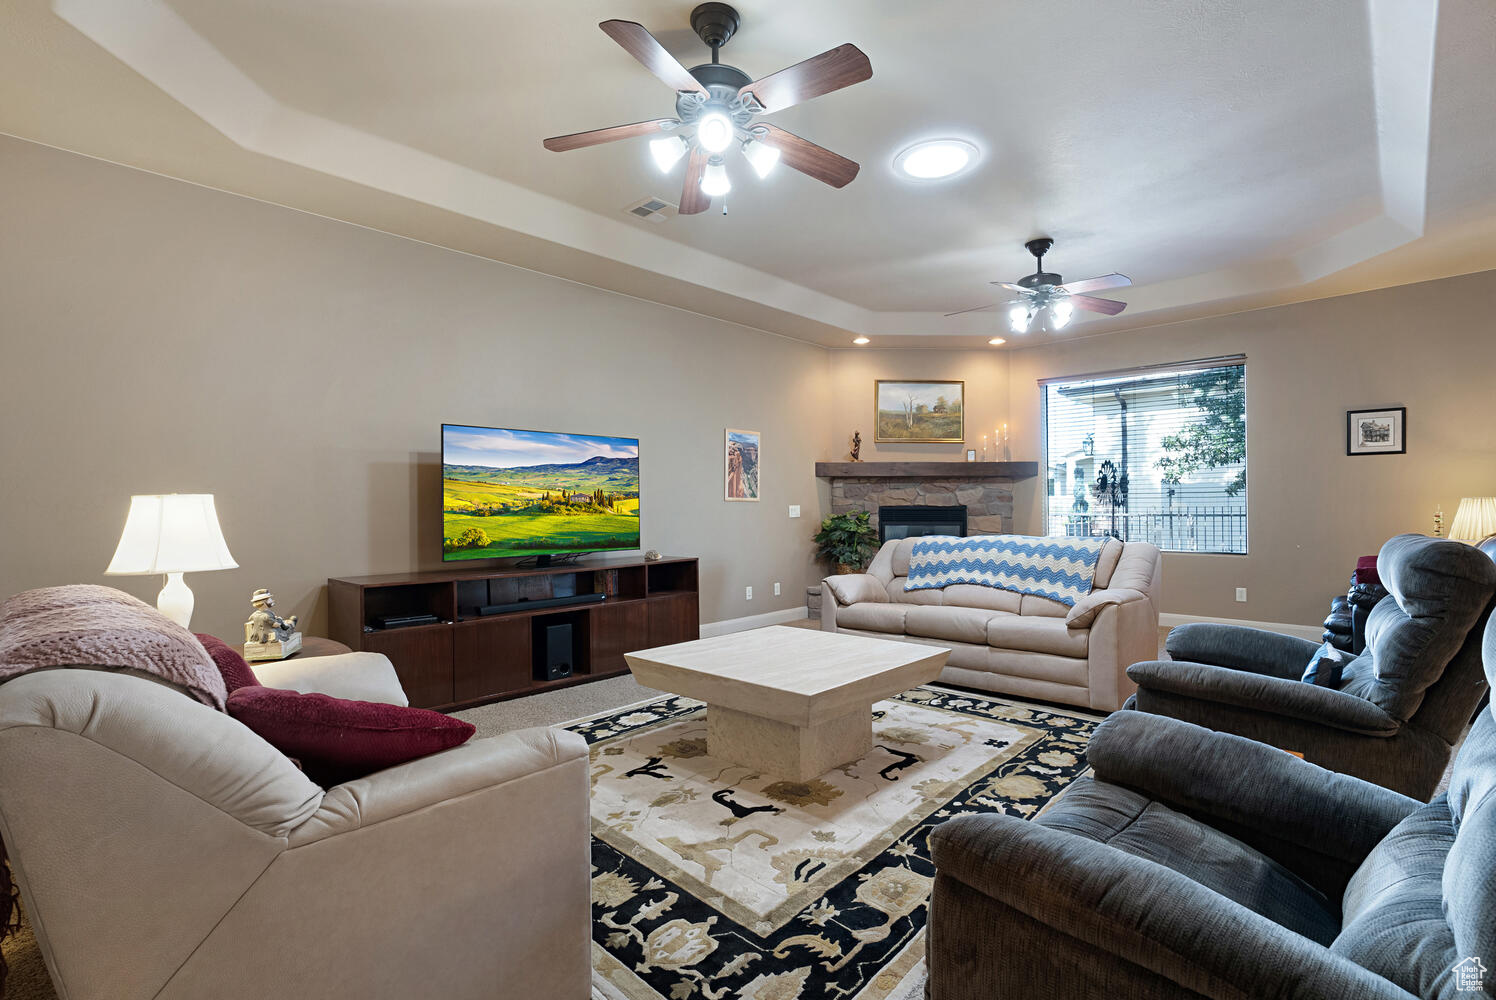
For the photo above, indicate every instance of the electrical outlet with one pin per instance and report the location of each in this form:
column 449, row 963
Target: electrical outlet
column 749, row 595
column 794, row 510
column 776, row 588
column 1241, row 595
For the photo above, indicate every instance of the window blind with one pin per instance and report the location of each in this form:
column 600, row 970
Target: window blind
column 1154, row 454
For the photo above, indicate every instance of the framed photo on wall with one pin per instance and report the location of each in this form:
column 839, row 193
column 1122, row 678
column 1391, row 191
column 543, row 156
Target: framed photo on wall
column 741, row 464
column 1376, row 432
column 919, row 412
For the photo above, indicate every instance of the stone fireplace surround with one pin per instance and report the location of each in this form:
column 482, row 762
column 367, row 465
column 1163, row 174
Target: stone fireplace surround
column 986, row 488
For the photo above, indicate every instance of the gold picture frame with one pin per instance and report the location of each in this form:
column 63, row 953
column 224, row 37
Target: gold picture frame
column 919, row 411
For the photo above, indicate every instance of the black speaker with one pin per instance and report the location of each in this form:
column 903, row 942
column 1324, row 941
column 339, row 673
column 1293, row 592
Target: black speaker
column 555, row 653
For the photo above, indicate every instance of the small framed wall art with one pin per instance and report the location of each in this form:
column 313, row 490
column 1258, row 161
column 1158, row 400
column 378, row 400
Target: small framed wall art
column 1376, row 432
column 919, row 412
column 740, row 455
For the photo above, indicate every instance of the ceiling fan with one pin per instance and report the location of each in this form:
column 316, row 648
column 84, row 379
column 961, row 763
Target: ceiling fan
column 715, row 107
column 1042, row 295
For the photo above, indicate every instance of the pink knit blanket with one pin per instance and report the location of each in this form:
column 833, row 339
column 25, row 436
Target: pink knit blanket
column 89, row 626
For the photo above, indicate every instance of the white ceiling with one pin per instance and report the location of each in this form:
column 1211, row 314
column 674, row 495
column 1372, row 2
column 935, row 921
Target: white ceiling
column 1224, row 153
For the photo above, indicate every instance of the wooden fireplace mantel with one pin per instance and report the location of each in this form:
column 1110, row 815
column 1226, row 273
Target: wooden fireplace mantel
column 927, row 470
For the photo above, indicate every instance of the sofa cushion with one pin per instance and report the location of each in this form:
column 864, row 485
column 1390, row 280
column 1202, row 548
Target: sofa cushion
column 902, row 550
column 873, row 617
column 898, row 595
column 230, row 662
column 1130, row 822
column 957, row 624
column 1325, row 667
column 338, row 740
column 1107, row 564
column 1038, row 635
column 1042, row 607
column 970, row 595
column 1394, row 905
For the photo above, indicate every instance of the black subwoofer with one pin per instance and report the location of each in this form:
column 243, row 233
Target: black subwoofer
column 556, row 654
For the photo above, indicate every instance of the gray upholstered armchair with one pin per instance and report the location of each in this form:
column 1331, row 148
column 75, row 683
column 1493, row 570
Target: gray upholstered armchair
column 1200, row 864
column 1400, row 706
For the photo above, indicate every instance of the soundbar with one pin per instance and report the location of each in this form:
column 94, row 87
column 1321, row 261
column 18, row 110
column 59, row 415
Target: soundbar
column 544, row 602
column 400, row 621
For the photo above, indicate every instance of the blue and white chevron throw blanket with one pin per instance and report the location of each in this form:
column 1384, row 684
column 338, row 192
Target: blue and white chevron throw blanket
column 1062, row 569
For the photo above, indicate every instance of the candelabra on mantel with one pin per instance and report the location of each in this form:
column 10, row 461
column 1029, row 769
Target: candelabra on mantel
column 1001, row 451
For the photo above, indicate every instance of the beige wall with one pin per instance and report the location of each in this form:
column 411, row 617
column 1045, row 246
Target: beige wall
column 1311, row 508
column 161, row 337
column 854, row 371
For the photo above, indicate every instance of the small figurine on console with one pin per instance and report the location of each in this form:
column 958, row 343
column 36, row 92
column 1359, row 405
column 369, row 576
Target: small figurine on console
column 268, row 636
column 856, row 446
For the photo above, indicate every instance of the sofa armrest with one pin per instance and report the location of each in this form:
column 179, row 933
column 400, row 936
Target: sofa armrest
column 1123, row 631
column 854, row 588
column 1245, row 783
column 1291, row 699
column 451, row 774
column 1261, row 652
column 1087, row 608
column 355, row 676
column 1142, row 912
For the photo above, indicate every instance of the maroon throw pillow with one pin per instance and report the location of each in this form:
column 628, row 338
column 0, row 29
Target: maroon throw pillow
column 338, row 740
column 235, row 671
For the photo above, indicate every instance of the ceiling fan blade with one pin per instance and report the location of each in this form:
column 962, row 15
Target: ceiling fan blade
column 810, row 159
column 831, row 70
column 692, row 198
column 1096, row 284
column 1091, row 303
column 963, row 312
column 561, row 143
column 1010, row 287
column 644, row 47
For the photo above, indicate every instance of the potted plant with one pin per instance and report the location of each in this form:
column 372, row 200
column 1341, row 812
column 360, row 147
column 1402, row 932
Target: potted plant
column 848, row 540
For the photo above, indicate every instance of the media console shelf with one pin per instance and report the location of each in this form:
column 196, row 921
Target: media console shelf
column 467, row 658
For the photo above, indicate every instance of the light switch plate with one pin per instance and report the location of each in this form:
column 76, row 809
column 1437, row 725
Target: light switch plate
column 776, row 588
column 794, row 510
column 749, row 595
column 1241, row 594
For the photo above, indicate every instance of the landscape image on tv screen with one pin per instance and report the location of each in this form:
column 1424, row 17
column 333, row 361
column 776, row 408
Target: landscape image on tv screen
column 509, row 493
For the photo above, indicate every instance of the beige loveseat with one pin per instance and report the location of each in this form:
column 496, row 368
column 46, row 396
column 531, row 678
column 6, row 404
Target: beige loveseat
column 164, row 850
column 1011, row 643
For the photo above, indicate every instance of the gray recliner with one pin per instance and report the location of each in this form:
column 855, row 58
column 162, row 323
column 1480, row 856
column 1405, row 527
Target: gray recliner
column 1200, row 864
column 1400, row 706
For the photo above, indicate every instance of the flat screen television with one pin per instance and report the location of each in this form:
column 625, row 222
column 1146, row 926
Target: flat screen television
column 508, row 492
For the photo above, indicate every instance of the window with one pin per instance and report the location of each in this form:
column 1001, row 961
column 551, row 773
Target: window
column 1156, row 455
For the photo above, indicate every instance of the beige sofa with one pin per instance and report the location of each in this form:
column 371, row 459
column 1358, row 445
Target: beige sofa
column 164, row 850
column 1010, row 643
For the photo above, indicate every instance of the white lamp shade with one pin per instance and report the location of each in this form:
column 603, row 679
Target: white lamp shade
column 177, row 533
column 1475, row 519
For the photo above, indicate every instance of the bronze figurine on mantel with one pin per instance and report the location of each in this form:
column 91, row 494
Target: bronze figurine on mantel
column 856, row 446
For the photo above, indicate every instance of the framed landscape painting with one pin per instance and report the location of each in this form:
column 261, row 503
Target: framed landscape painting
column 919, row 412
column 1376, row 432
column 740, row 453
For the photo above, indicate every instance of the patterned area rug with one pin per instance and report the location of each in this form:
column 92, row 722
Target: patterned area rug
column 713, row 881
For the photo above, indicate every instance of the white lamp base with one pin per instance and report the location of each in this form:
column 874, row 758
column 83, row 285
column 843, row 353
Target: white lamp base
column 175, row 600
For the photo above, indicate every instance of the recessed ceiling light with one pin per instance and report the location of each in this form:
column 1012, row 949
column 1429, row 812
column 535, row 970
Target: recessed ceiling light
column 935, row 159
column 997, row 342
column 859, row 340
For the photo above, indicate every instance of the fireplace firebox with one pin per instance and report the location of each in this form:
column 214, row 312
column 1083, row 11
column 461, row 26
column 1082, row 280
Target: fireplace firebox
column 909, row 522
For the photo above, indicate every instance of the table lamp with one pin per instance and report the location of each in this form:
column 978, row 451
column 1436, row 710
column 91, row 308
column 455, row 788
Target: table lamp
column 1475, row 519
column 173, row 534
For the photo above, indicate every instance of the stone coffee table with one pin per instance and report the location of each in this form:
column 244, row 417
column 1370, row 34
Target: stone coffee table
column 793, row 702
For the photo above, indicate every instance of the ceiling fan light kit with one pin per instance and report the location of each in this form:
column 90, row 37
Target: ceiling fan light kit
column 1044, row 295
column 717, row 104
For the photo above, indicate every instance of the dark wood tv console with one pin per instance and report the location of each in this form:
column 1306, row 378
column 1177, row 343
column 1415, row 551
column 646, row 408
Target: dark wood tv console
column 466, row 659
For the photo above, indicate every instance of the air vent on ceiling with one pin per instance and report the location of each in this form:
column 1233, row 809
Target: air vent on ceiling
column 652, row 209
